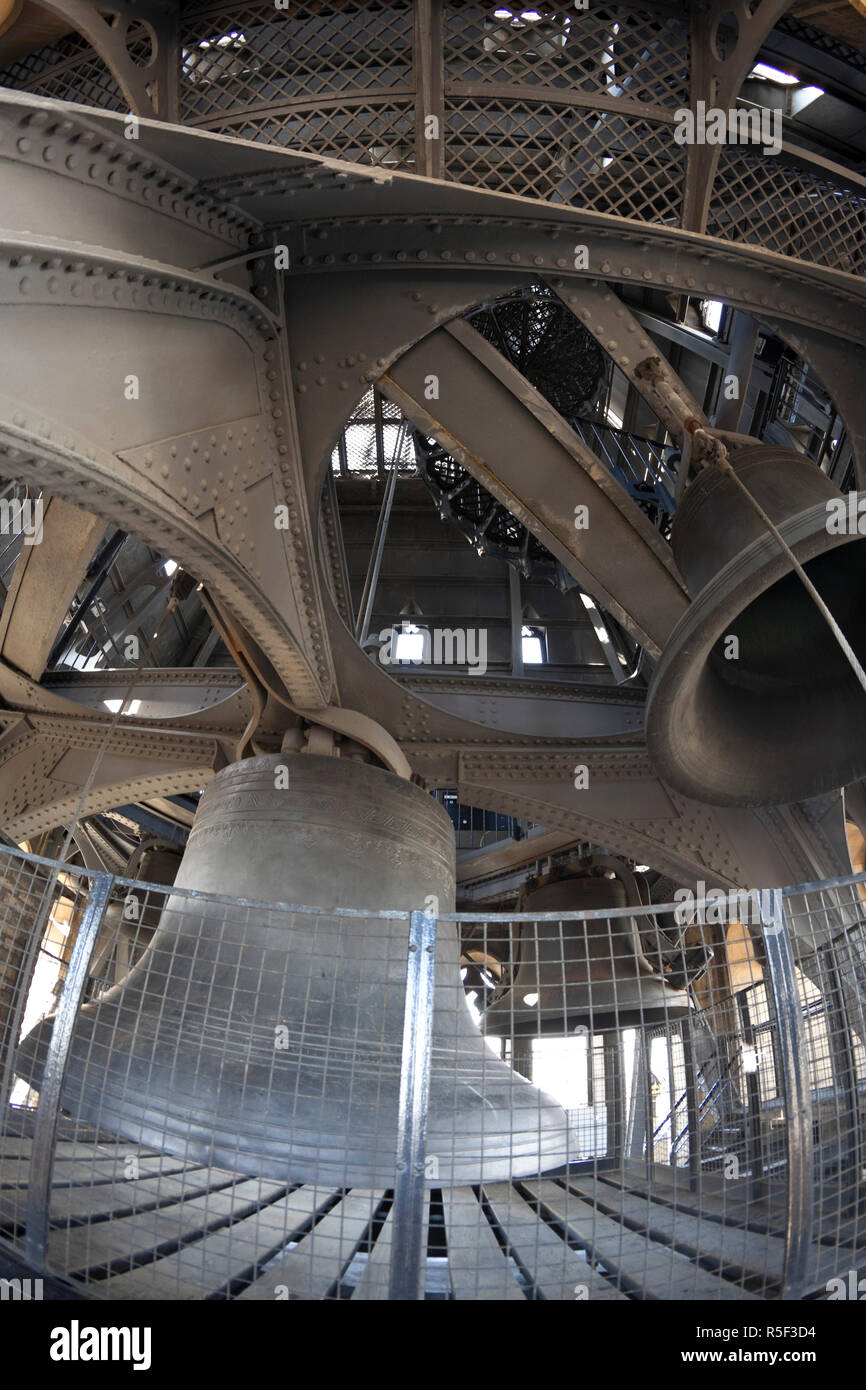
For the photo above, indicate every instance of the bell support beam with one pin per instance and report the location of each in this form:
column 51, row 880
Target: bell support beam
column 45, row 760
column 726, row 849
column 624, row 338
column 549, row 709
column 188, row 697
column 115, row 491
column 219, row 457
column 377, row 262
column 492, row 421
column 45, row 764
column 215, row 700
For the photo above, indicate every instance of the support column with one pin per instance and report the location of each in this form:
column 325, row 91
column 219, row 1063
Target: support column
column 744, row 340
column 429, row 90
column 614, row 1098
column 515, row 610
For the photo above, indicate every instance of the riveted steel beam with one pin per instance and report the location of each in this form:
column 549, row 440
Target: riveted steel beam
column 541, row 709
column 222, row 452
column 493, row 421
column 620, row 333
column 112, row 490
column 689, row 843
column 45, row 764
column 412, row 254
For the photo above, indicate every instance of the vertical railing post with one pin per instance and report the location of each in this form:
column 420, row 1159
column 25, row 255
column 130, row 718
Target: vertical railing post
column 693, row 1107
column 51, row 1085
column 840, row 1040
column 10, row 1030
column 407, row 1256
column 794, row 1089
column 614, row 1099
column 752, row 1116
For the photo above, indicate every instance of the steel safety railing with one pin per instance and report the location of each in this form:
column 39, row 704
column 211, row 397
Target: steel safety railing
column 202, row 1118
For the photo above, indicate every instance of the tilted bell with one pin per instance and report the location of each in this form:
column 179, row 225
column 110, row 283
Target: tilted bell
column 592, row 973
column 269, row 1041
column 776, row 715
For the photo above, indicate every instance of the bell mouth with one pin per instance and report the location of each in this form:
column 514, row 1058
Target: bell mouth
column 780, row 716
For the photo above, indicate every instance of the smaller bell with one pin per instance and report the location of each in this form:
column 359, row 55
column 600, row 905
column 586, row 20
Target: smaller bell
column 753, row 702
column 592, row 973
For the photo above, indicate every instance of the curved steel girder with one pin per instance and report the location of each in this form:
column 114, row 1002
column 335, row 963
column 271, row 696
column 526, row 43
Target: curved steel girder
column 149, row 87
column 210, row 701
column 691, row 842
column 44, row 765
column 534, row 708
column 61, row 168
column 411, row 719
column 214, row 698
column 497, row 426
column 222, row 451
column 215, row 701
column 413, row 224
column 109, row 487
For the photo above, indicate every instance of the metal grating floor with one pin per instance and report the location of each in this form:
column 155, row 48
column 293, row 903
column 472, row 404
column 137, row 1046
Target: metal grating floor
column 183, row 1231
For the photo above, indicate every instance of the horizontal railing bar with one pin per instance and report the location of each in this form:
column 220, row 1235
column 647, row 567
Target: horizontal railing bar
column 698, row 905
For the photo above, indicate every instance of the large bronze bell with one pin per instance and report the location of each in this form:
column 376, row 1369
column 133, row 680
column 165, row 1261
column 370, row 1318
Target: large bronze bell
column 776, row 715
column 589, row 974
column 269, row 1041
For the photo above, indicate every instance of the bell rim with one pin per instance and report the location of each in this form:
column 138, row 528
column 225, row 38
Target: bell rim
column 757, row 567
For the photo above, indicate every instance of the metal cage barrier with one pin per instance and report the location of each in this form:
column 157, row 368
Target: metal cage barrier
column 694, row 1129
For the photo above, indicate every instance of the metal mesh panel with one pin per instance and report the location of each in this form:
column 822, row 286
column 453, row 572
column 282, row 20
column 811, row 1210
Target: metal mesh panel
column 151, row 1195
column 828, row 930
column 696, row 1132
column 370, row 438
column 40, row 911
column 244, row 56
column 364, row 134
column 609, row 163
column 668, row 1193
column 771, row 203
column 70, row 71
column 611, row 50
